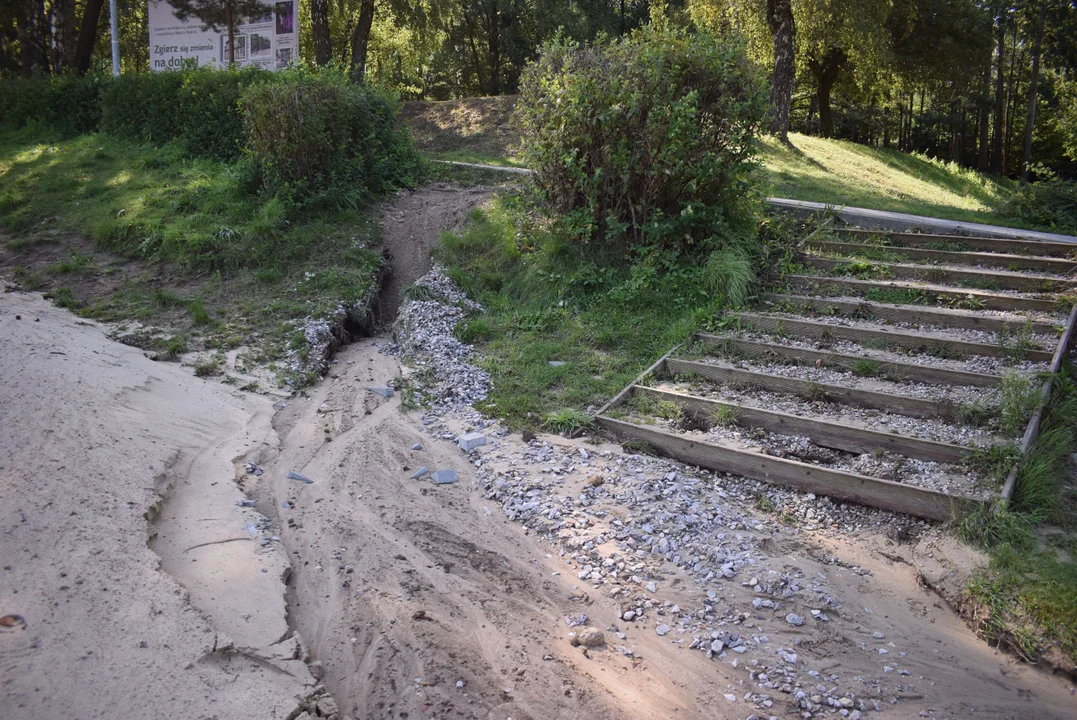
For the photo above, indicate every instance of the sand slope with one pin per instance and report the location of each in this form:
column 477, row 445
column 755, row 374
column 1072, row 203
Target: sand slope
column 91, row 432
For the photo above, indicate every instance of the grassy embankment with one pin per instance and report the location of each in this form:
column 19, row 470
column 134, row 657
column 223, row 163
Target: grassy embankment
column 179, row 247
column 480, row 130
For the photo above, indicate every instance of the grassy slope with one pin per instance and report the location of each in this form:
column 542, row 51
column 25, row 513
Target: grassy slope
column 846, row 173
column 481, row 130
column 120, row 231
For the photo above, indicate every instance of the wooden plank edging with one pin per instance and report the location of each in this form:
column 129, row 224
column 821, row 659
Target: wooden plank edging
column 801, row 476
column 907, row 371
column 954, row 257
column 980, row 244
column 913, row 341
column 1005, row 280
column 822, row 432
column 1033, row 429
column 913, row 314
column 887, row 402
column 991, row 301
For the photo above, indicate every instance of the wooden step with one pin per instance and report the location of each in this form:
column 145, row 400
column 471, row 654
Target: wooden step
column 991, row 301
column 911, row 314
column 978, row 244
column 890, row 368
column 955, row 257
column 916, row 341
column 802, row 476
column 810, row 390
column 1003, row 280
column 840, row 436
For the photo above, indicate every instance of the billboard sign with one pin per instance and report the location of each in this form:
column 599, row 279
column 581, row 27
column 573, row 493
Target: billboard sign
column 270, row 40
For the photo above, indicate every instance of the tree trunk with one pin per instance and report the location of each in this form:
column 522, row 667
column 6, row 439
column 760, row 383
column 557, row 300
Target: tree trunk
column 493, row 40
column 826, row 73
column 1026, row 153
column 783, row 29
column 1000, row 75
column 984, row 156
column 87, row 36
column 361, row 39
column 319, row 21
column 63, row 33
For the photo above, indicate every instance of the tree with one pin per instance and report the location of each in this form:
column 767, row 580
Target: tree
column 214, row 14
column 1033, row 98
column 319, row 21
column 783, row 29
column 361, row 39
column 91, row 13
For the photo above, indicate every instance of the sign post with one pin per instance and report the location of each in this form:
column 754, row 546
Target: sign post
column 269, row 40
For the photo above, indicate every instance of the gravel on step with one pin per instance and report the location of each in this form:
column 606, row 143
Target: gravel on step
column 844, row 414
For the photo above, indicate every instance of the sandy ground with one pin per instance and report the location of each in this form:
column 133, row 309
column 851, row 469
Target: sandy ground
column 412, row 600
column 410, row 225
column 92, row 434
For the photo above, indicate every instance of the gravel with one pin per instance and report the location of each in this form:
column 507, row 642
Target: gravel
column 845, row 378
column 974, row 363
column 846, row 414
column 984, row 337
column 425, row 329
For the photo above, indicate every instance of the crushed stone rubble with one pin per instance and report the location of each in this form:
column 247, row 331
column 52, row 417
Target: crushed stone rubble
column 984, row 337
column 924, row 428
column 948, row 478
column 425, row 330
column 1018, row 317
column 626, row 525
column 973, row 363
column 832, row 376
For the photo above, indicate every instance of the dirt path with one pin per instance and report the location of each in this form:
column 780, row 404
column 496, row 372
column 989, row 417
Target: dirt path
column 417, row 600
column 410, row 226
column 403, row 588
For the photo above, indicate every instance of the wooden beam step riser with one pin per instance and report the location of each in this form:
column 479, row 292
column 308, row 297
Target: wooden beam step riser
column 898, row 404
column 821, row 432
column 808, row 478
column 858, row 287
column 1000, row 245
column 830, row 332
column 1023, row 283
column 996, row 260
column 879, row 368
column 912, row 314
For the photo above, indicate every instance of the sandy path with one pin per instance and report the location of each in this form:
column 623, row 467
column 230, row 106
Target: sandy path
column 402, row 588
column 91, row 433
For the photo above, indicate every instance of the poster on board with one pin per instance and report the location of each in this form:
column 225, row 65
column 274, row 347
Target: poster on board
column 269, row 40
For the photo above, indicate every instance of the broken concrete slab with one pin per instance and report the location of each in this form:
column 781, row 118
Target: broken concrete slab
column 470, row 441
column 420, row 472
column 444, row 477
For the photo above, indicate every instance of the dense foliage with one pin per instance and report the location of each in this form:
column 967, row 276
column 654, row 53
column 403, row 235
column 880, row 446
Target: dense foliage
column 648, row 140
column 314, row 137
column 980, row 84
column 326, row 139
column 199, row 108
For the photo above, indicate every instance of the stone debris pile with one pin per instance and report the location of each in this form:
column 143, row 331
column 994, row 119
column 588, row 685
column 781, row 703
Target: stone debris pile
column 425, row 329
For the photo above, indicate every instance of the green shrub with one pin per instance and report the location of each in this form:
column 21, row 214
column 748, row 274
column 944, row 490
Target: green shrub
column 326, row 140
column 646, row 140
column 198, row 107
column 67, row 104
column 1051, row 202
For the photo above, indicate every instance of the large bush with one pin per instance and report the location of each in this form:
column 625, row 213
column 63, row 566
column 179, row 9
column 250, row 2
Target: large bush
column 323, row 139
column 649, row 140
column 67, row 104
column 197, row 107
column 1050, row 202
